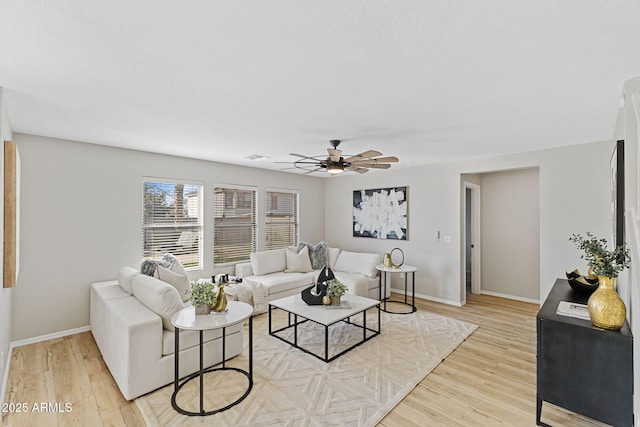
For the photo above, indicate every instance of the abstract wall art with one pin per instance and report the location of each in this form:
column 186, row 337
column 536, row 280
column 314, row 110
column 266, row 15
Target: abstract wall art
column 617, row 193
column 381, row 213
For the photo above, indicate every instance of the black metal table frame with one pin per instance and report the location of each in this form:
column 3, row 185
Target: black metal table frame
column 326, row 357
column 200, row 373
column 383, row 283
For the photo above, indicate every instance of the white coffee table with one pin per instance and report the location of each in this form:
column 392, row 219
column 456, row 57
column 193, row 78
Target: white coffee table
column 325, row 316
column 186, row 319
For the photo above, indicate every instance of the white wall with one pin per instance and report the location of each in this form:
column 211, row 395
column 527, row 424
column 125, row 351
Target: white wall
column 5, row 294
column 81, row 221
column 574, row 197
column 510, row 219
column 628, row 129
column 70, row 238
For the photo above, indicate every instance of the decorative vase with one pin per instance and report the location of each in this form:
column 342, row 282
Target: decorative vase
column 326, row 300
column 203, row 309
column 387, row 261
column 221, row 300
column 335, row 300
column 606, row 308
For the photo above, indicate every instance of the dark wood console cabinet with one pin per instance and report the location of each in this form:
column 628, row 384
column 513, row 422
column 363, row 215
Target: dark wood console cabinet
column 580, row 367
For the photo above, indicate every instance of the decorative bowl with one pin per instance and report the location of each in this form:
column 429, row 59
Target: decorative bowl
column 582, row 284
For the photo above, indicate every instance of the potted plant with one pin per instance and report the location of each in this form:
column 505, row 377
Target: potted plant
column 606, row 308
column 203, row 296
column 335, row 289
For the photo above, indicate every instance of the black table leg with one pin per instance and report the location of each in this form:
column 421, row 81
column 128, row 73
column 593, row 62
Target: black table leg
column 175, row 359
column 201, row 375
column 251, row 350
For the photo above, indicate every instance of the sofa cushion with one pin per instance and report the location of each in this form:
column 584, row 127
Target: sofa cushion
column 190, row 339
column 177, row 280
column 268, row 262
column 125, row 276
column 358, row 262
column 298, row 262
column 160, row 297
column 357, row 284
column 319, row 254
column 280, row 282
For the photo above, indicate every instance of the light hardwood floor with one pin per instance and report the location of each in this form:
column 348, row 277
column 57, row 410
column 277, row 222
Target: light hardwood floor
column 490, row 379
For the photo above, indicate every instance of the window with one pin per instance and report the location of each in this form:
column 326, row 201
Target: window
column 234, row 224
column 281, row 224
column 172, row 221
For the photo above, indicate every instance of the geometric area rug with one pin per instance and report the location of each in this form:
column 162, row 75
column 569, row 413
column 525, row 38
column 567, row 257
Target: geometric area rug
column 292, row 388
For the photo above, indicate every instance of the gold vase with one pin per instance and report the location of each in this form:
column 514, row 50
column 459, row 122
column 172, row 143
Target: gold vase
column 387, row 261
column 221, row 300
column 606, row 308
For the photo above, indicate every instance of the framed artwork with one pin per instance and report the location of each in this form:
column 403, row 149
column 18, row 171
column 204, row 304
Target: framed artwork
column 381, row 213
column 617, row 193
column 11, row 177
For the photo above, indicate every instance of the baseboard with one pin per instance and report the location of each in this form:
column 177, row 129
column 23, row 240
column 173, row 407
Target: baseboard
column 499, row 295
column 5, row 379
column 429, row 298
column 52, row 336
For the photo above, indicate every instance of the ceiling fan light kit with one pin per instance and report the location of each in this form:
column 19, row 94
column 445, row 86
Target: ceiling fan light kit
column 335, row 163
column 335, row 168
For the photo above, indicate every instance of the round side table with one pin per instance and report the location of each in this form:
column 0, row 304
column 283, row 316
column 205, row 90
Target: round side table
column 186, row 319
column 382, row 287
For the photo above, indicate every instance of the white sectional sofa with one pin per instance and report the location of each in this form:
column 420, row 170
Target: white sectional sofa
column 284, row 272
column 131, row 323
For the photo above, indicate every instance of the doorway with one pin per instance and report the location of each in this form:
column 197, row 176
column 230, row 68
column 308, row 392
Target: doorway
column 472, row 239
column 501, row 210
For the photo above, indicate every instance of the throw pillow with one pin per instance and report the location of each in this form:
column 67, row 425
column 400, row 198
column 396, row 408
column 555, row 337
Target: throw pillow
column 298, row 262
column 358, row 262
column 178, row 281
column 125, row 276
column 319, row 254
column 168, row 261
column 172, row 263
column 268, row 262
column 333, row 256
column 160, row 297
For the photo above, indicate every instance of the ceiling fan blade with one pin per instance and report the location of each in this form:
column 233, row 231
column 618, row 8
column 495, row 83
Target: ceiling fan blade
column 380, row 166
column 386, row 159
column 302, row 162
column 303, row 156
column 375, row 161
column 364, row 155
column 334, row 154
column 313, row 170
column 357, row 169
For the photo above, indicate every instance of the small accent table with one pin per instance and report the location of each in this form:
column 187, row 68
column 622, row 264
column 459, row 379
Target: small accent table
column 186, row 319
column 382, row 284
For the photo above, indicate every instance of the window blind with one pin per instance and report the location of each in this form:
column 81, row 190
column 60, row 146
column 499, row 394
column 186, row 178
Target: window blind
column 281, row 223
column 234, row 224
column 172, row 221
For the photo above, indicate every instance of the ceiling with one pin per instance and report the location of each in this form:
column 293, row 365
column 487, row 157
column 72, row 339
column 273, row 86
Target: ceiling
column 426, row 81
